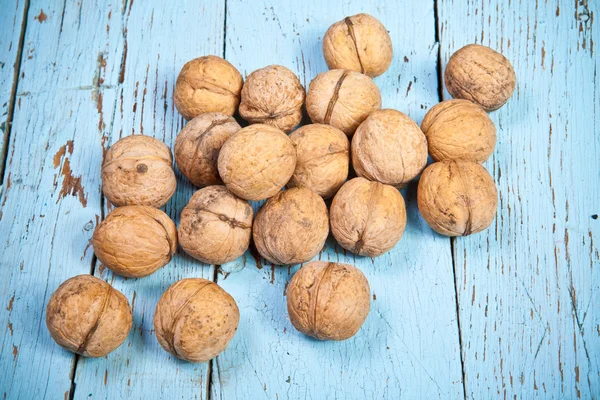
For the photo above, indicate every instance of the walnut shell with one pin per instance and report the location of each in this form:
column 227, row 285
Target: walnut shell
column 457, row 198
column 198, row 145
column 342, row 99
column 368, row 218
column 195, row 319
column 135, row 241
column 459, row 130
column 138, row 170
column 87, row 316
column 390, row 148
column 257, row 162
column 481, row 75
column 323, row 157
column 215, row 226
column 358, row 43
column 328, row 301
column 274, row 96
column 291, row 227
column 207, row 84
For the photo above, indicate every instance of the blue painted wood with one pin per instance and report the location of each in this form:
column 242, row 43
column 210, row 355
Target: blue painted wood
column 52, row 201
column 528, row 288
column 409, row 344
column 11, row 25
column 159, row 39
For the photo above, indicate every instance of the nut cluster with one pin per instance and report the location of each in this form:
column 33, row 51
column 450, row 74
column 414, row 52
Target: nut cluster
column 195, row 319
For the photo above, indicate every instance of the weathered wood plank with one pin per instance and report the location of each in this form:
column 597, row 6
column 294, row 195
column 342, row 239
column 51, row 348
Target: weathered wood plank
column 528, row 286
column 51, row 201
column 12, row 26
column 409, row 344
column 159, row 39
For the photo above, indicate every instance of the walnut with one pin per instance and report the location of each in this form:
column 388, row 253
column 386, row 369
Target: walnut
column 358, row 43
column 390, row 148
column 195, row 319
column 367, row 218
column 323, row 154
column 88, row 316
column 481, row 75
column 207, row 84
column 138, row 170
column 274, row 96
column 257, row 162
column 342, row 99
column 459, row 130
column 328, row 301
column 198, row 144
column 215, row 226
column 135, row 241
column 457, row 198
column 291, row 227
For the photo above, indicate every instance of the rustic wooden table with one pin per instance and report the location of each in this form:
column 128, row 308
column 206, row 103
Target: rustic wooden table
column 511, row 312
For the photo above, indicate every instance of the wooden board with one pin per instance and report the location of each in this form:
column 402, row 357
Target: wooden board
column 51, row 201
column 12, row 24
column 409, row 344
column 528, row 287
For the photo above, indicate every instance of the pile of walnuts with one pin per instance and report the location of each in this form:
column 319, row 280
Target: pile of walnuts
column 195, row 319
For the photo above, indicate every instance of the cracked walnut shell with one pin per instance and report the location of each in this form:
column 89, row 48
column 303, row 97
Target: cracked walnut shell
column 390, row 148
column 87, row 316
column 358, row 43
column 215, row 226
column 138, row 170
column 198, row 145
column 274, row 96
column 457, row 198
column 342, row 99
column 368, row 218
column 481, row 75
column 135, row 241
column 195, row 319
column 207, row 84
column 328, row 301
column 291, row 227
column 459, row 130
column 257, row 162
column 323, row 157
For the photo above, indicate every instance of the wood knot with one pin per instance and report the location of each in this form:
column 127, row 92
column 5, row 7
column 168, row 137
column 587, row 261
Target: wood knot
column 142, row 168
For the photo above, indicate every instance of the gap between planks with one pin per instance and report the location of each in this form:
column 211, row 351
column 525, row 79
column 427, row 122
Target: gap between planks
column 13, row 94
column 440, row 81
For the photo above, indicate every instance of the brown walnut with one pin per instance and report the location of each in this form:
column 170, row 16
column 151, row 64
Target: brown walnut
column 481, row 75
column 215, row 226
column 138, row 170
column 257, row 162
column 328, row 301
column 459, row 130
column 207, row 84
column 368, row 218
column 358, row 43
column 198, row 144
column 195, row 319
column 323, row 157
column 457, row 198
column 87, row 316
column 291, row 227
column 390, row 148
column 342, row 99
column 274, row 96
column 135, row 241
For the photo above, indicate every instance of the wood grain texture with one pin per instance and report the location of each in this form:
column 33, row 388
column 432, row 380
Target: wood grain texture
column 12, row 25
column 528, row 287
column 51, row 203
column 158, row 39
column 409, row 345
